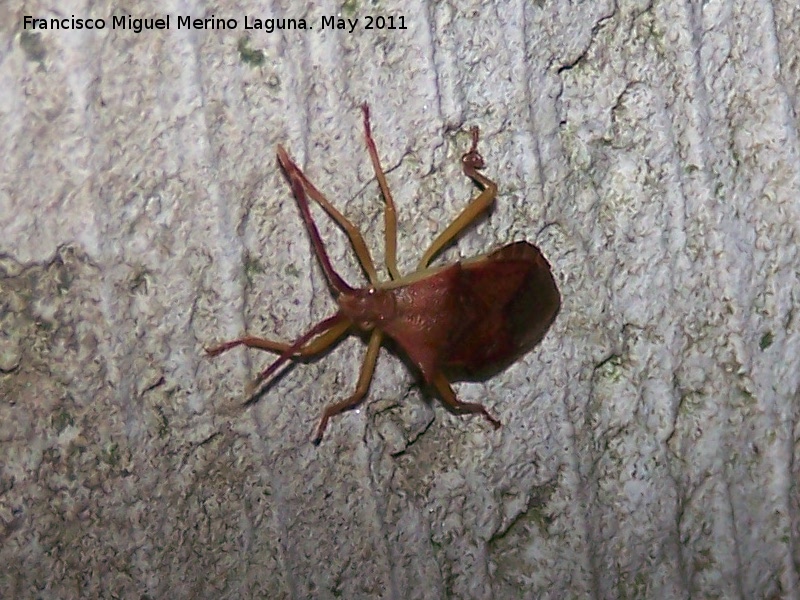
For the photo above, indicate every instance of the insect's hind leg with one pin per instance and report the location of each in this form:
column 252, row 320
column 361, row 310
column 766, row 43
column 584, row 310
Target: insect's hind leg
column 470, row 162
column 451, row 401
column 364, row 379
column 389, row 212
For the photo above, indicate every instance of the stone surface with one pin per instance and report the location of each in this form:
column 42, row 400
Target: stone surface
column 649, row 447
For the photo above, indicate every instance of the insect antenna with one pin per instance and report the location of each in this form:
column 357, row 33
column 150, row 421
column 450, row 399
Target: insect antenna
column 296, row 181
column 316, row 330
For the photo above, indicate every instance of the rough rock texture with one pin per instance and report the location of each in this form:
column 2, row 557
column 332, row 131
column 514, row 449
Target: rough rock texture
column 649, row 447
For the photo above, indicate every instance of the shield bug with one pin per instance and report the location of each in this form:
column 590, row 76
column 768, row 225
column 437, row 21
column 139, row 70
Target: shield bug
column 468, row 319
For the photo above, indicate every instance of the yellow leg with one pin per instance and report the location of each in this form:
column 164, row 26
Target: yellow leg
column 356, row 239
column 364, row 379
column 470, row 162
column 449, row 398
column 313, row 347
column 389, row 213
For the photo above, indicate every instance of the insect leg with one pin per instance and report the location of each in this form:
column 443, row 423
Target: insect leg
column 364, row 378
column 449, row 397
column 356, row 239
column 313, row 347
column 389, row 213
column 295, row 177
column 470, row 162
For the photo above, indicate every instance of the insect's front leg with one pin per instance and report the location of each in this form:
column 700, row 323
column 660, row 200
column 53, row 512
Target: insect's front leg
column 356, row 239
column 389, row 212
column 470, row 162
column 448, row 396
column 364, row 379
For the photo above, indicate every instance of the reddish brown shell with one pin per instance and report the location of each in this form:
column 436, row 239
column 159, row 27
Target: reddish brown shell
column 475, row 317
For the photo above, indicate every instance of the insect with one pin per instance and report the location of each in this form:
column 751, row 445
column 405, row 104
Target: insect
column 470, row 318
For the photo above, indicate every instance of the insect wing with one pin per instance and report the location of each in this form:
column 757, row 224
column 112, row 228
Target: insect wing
column 507, row 301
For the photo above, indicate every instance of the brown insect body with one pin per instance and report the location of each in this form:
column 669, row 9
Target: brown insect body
column 470, row 318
